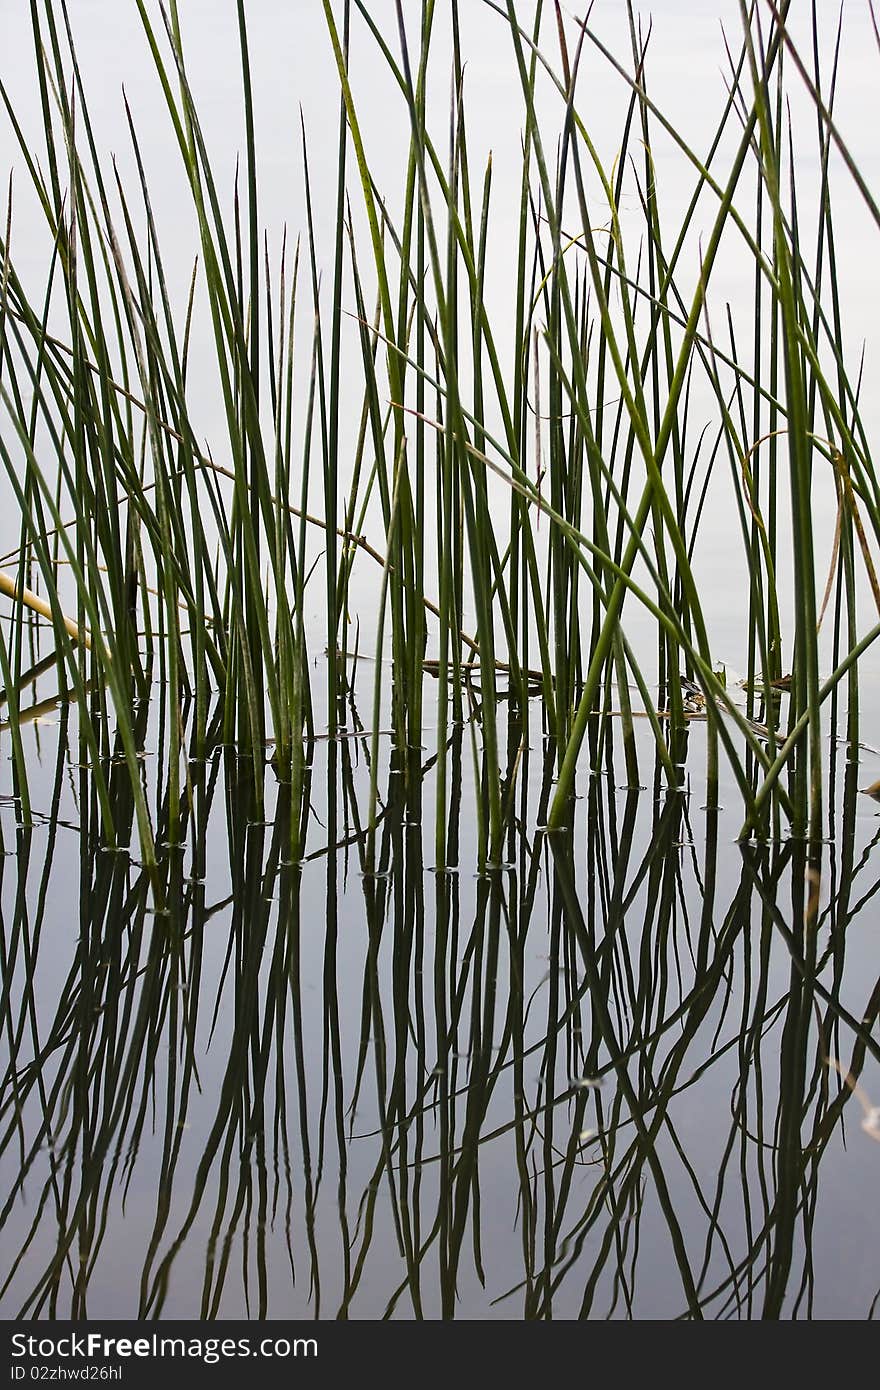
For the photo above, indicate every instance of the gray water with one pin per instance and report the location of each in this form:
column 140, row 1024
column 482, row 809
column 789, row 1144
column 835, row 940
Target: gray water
column 360, row 1094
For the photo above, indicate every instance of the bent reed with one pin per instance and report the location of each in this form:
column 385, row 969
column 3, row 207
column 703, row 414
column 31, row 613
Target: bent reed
column 530, row 487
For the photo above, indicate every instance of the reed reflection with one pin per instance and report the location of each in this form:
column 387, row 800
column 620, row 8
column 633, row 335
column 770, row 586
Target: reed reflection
column 305, row 1072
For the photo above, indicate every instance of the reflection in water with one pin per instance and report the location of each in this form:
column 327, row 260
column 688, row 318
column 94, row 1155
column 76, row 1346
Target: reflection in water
column 628, row 1072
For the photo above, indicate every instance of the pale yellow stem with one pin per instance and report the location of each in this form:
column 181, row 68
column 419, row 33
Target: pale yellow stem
column 39, row 605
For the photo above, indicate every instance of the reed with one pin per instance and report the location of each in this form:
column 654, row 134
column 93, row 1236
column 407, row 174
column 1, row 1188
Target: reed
column 427, row 593
column 551, row 480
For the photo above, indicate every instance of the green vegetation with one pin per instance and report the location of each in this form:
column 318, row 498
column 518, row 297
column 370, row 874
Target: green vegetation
column 427, row 593
column 550, row 481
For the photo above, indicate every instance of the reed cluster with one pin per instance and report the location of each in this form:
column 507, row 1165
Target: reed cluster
column 527, row 497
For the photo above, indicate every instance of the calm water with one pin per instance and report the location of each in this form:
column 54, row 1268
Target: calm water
column 634, row 1071
column 601, row 1079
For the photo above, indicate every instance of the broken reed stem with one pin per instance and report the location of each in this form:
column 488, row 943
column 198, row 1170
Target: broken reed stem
column 849, row 496
column 38, row 605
